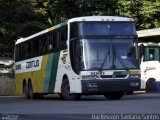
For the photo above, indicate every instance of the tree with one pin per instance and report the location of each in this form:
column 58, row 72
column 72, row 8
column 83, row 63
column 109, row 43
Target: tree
column 146, row 13
column 16, row 20
column 97, row 7
column 21, row 18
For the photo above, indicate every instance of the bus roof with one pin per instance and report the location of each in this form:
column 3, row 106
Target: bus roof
column 42, row 32
column 100, row 18
column 152, row 44
column 78, row 19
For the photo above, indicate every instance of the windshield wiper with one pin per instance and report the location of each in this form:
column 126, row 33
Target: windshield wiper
column 106, row 57
column 119, row 58
column 113, row 57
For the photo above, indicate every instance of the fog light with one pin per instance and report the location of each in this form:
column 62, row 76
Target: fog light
column 134, row 84
column 92, row 85
column 134, row 76
column 90, row 77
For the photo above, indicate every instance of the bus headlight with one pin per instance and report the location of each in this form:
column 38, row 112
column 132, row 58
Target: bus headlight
column 90, row 77
column 134, row 76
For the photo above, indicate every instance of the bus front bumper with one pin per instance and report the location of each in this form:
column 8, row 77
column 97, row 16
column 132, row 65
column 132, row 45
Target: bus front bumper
column 110, row 85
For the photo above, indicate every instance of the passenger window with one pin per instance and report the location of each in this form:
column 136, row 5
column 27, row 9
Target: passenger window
column 151, row 54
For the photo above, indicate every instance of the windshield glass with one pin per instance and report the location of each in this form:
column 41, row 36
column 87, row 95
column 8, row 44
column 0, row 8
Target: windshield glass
column 152, row 53
column 124, row 54
column 105, row 54
column 94, row 52
column 107, row 28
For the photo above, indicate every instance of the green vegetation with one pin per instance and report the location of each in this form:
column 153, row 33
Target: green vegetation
column 21, row 18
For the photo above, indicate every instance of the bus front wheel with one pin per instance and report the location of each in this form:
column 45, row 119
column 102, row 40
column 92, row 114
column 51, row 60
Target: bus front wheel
column 151, row 86
column 114, row 95
column 65, row 91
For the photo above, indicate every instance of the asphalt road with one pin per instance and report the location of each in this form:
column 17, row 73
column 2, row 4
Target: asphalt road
column 53, row 106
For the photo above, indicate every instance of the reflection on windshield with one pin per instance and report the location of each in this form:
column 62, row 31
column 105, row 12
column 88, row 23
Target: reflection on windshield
column 95, row 52
column 106, row 54
column 124, row 54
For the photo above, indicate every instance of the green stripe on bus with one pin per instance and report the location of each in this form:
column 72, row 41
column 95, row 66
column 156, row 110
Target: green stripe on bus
column 51, row 72
column 57, row 26
column 54, row 71
column 61, row 25
column 48, row 73
column 121, row 72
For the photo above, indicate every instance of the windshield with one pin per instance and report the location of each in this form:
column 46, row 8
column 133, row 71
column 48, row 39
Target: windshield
column 105, row 54
column 107, row 28
column 124, row 54
column 152, row 53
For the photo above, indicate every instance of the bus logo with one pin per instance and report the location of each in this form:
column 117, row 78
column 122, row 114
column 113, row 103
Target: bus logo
column 64, row 58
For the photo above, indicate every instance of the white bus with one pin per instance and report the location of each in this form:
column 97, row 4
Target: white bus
column 92, row 55
column 150, row 57
column 150, row 66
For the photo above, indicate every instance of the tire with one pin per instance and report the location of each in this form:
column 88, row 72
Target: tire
column 129, row 93
column 30, row 91
column 150, row 86
column 38, row 95
column 33, row 95
column 114, row 95
column 25, row 91
column 65, row 91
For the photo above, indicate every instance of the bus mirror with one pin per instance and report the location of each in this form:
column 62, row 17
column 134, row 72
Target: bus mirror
column 141, row 50
column 78, row 57
column 67, row 43
column 78, row 50
column 131, row 51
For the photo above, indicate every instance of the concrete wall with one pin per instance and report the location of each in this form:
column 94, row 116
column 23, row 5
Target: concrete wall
column 7, row 84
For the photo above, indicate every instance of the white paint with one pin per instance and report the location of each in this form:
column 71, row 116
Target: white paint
column 100, row 18
column 28, row 65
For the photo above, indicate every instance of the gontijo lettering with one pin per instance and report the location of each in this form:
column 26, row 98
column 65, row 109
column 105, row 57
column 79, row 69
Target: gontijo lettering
column 32, row 64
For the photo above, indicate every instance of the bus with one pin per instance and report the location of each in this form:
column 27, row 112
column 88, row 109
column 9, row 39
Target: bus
column 149, row 59
column 150, row 66
column 92, row 55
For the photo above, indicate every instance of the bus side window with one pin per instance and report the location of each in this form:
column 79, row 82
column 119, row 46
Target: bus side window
column 58, row 39
column 73, row 31
column 22, row 51
column 73, row 47
column 63, row 37
column 151, row 54
column 35, row 46
column 28, row 49
column 43, row 44
column 146, row 55
column 17, row 53
column 52, row 43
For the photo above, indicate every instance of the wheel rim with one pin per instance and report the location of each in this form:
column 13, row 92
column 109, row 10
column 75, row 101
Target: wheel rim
column 66, row 90
column 151, row 87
